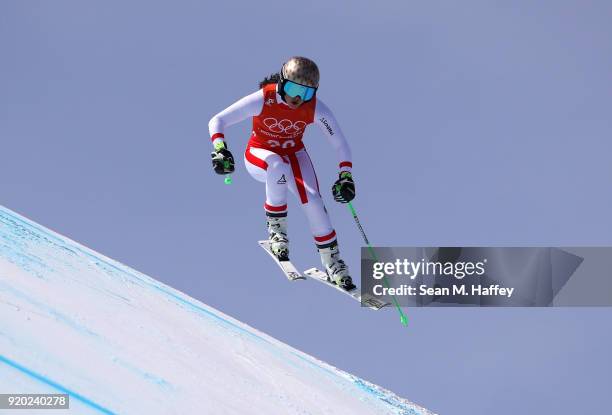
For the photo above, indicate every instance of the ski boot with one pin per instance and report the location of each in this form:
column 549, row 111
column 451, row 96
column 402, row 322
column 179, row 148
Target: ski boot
column 279, row 244
column 336, row 269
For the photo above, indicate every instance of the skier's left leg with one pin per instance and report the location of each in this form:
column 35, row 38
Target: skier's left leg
column 305, row 186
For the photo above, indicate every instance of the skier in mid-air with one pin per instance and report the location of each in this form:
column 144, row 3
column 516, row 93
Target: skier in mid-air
column 281, row 109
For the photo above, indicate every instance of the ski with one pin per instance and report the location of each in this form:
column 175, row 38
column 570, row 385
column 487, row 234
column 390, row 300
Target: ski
column 288, row 268
column 368, row 300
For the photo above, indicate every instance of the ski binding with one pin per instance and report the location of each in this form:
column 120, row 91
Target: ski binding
column 287, row 267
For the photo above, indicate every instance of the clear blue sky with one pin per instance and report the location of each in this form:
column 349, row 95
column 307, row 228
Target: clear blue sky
column 471, row 123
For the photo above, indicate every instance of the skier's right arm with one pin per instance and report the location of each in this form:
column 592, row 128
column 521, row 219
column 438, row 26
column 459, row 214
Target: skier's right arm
column 246, row 107
column 249, row 106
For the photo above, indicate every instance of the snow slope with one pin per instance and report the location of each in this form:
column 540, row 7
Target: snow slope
column 118, row 341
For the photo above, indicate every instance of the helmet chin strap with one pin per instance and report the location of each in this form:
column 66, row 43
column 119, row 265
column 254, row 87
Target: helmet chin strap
column 282, row 93
column 279, row 85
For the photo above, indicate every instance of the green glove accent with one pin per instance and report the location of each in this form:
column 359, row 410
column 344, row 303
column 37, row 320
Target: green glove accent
column 220, row 145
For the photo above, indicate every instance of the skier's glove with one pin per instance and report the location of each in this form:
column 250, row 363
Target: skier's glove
column 344, row 188
column 222, row 159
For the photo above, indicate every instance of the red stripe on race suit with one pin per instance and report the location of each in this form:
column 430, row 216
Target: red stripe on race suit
column 325, row 237
column 299, row 181
column 275, row 208
column 217, row 135
column 346, row 164
column 254, row 160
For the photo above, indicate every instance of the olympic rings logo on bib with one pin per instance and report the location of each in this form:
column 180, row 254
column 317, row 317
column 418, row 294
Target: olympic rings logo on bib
column 284, row 126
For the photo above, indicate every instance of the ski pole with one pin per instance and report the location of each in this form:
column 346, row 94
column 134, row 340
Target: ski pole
column 403, row 318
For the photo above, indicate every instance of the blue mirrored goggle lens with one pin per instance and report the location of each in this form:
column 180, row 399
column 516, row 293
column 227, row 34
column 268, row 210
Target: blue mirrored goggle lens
column 293, row 90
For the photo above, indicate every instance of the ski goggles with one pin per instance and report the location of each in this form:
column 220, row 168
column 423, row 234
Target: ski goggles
column 294, row 90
